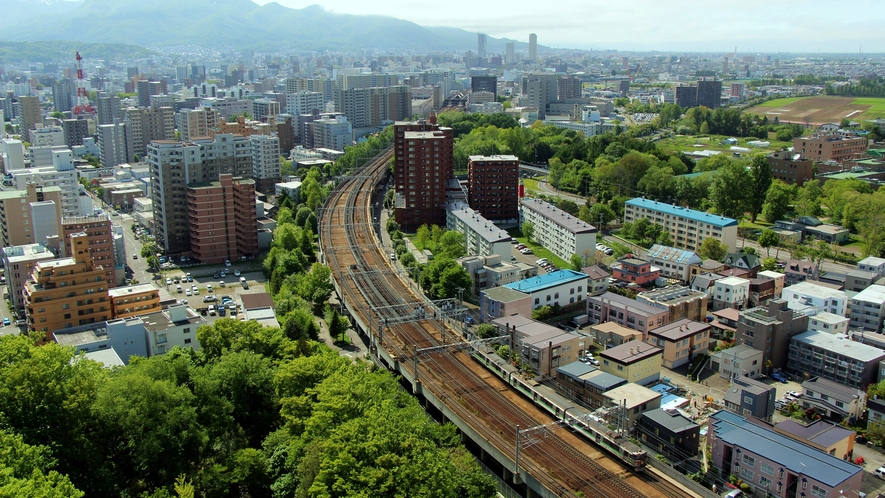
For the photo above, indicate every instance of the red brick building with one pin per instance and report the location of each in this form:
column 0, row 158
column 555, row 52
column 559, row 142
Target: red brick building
column 424, row 162
column 830, row 147
column 790, row 167
column 222, row 219
column 492, row 186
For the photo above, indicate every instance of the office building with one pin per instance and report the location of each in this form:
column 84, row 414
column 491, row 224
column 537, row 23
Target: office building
column 18, row 263
column 569, row 87
column 108, row 109
column 834, row 357
column 67, row 292
column 144, row 125
column 481, row 237
column 635, row 361
column 680, row 302
column 424, row 162
column 75, row 130
column 680, row 341
column 12, row 155
column 538, row 90
column 830, row 147
column 750, row 397
column 31, row 113
column 43, row 136
column 61, row 174
column 98, row 231
column 868, row 309
column 686, row 96
column 558, row 231
column 709, row 93
column 805, row 294
column 113, row 144
column 509, row 53
column 790, row 167
column 63, row 94
column 611, row 307
column 481, row 44
column 687, row 228
column 492, row 187
column 487, row 84
column 332, row 133
column 222, row 219
column 145, row 89
column 533, row 47
column 22, row 210
column 769, row 330
column 561, row 287
column 174, row 165
column 773, row 463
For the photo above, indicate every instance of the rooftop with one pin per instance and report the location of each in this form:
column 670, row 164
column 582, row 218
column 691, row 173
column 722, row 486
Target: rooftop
column 602, row 380
column 483, row 227
column 494, row 158
column 504, row 294
column 838, row 344
column 618, row 300
column 814, row 290
column 674, row 255
column 675, row 294
column 634, row 395
column 79, row 337
column 690, row 214
column 872, row 261
column 27, row 252
column 257, row 300
column 674, row 420
column 615, row 328
column 132, row 289
column 595, row 272
column 556, row 215
column 872, row 294
column 576, row 369
column 630, row 352
column 789, row 453
column 741, row 351
column 832, row 389
column 679, row 329
column 819, row 432
column 107, row 357
column 546, row 281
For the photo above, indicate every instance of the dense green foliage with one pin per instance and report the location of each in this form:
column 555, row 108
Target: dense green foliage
column 865, row 87
column 53, row 51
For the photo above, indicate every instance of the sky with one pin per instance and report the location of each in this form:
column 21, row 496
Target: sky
column 753, row 26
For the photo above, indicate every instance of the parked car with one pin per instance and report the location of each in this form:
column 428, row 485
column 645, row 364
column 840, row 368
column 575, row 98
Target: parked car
column 520, row 247
column 6, row 321
column 880, row 473
column 226, row 262
column 541, row 261
column 196, row 290
column 135, row 256
column 190, row 278
column 527, row 250
column 794, row 394
column 236, row 273
column 168, row 281
column 187, row 292
column 212, row 309
column 178, row 289
column 209, row 299
column 735, row 493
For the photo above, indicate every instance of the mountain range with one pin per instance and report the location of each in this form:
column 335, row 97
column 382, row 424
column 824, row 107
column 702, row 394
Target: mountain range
column 223, row 23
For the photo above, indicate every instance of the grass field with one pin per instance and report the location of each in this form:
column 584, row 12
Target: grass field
column 686, row 143
column 820, row 110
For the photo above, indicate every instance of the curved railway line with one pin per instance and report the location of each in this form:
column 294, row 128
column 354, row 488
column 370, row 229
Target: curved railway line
column 555, row 458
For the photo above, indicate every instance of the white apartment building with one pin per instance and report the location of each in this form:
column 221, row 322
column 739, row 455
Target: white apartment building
column 558, row 231
column 687, row 228
column 730, row 292
column 113, row 144
column 196, row 123
column 175, row 326
column 482, row 237
column 19, row 262
column 12, row 154
column 62, row 175
column 229, row 106
column 872, row 264
column 829, row 323
column 333, row 133
column 304, row 102
column 562, row 287
column 47, row 135
column 487, row 272
column 868, row 309
column 805, row 294
column 264, row 108
column 265, row 158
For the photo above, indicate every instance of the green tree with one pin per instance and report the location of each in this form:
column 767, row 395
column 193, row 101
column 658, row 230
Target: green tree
column 808, row 199
column 777, row 201
column 769, row 264
column 149, row 249
column 451, row 244
column 229, row 334
column 576, row 262
column 731, row 190
column 26, row 470
column 543, row 313
column 641, row 229
column 600, row 215
column 528, row 230
column 336, row 323
column 760, row 172
column 442, row 277
column 153, row 262
column 713, row 249
column 767, row 239
column 486, row 330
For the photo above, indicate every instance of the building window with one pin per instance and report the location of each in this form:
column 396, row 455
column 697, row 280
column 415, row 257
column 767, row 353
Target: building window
column 765, row 482
column 747, row 459
column 747, row 474
column 187, row 341
column 767, row 469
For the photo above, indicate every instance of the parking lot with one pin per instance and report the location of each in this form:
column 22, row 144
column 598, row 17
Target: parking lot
column 206, row 278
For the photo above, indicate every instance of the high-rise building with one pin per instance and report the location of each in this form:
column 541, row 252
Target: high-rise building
column 19, row 261
column 146, row 88
column 196, row 123
column 484, row 84
column 709, row 93
column 510, row 53
column 22, row 210
column 372, row 106
column 31, row 114
column 332, row 133
column 221, row 217
column 492, row 186
column 538, row 90
column 481, row 45
column 265, row 162
column 98, row 231
column 569, row 87
column 144, row 124
column 424, row 162
column 686, row 96
column 108, row 109
column 264, row 108
column 63, row 94
column 75, row 130
column 174, row 165
column 67, row 292
column 533, row 47
column 303, row 102
column 61, row 174
column 113, row 144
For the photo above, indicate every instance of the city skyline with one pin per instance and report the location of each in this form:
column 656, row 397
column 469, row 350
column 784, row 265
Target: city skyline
column 757, row 27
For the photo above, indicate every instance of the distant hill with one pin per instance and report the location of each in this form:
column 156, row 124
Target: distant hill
column 233, row 23
column 53, row 51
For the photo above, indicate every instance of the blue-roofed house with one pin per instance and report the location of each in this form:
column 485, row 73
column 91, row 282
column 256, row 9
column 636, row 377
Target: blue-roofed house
column 687, row 228
column 767, row 460
column 562, row 287
column 674, row 262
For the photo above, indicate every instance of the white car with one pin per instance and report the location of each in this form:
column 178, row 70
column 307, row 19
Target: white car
column 541, row 261
column 236, row 273
column 195, row 290
column 168, row 281
column 187, row 292
column 527, row 250
column 226, row 262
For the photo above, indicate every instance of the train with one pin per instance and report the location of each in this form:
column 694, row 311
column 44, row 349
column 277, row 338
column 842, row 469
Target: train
column 588, row 427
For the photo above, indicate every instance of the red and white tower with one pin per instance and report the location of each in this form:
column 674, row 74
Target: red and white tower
column 83, row 106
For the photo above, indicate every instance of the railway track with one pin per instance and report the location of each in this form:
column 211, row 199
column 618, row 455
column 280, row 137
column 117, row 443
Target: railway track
column 351, row 249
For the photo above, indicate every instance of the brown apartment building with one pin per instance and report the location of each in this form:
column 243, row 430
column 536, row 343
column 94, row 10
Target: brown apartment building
column 222, row 219
column 21, row 212
column 424, row 161
column 67, row 292
column 790, row 167
column 830, row 147
column 99, row 236
column 492, row 186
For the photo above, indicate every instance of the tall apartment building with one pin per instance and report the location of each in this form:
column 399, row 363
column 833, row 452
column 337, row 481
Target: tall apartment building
column 332, row 133
column 264, row 108
column 265, row 162
column 31, row 114
column 108, row 109
column 558, row 231
column 145, row 124
column 196, row 123
column 75, row 130
column 63, row 94
column 18, row 262
column 374, row 106
column 304, row 102
column 424, row 162
column 790, row 167
column 568, row 87
column 222, row 219
column 481, row 44
column 146, row 89
column 687, row 228
column 325, row 86
column 113, row 144
column 43, row 136
column 365, row 80
column 20, row 211
column 538, row 90
column 12, row 155
column 830, row 147
column 492, row 186
column 833, row 357
column 229, row 106
column 98, row 231
column 61, row 174
column 685, row 96
column 174, row 165
column 533, row 47
column 868, row 309
column 709, row 93
column 67, row 292
column 769, row 330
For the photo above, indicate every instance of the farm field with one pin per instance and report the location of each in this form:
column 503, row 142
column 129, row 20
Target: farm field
column 687, row 143
column 820, row 110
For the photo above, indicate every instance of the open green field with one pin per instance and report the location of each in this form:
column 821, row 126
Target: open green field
column 820, row 110
column 690, row 143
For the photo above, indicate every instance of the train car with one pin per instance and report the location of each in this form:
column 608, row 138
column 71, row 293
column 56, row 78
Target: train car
column 589, row 427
